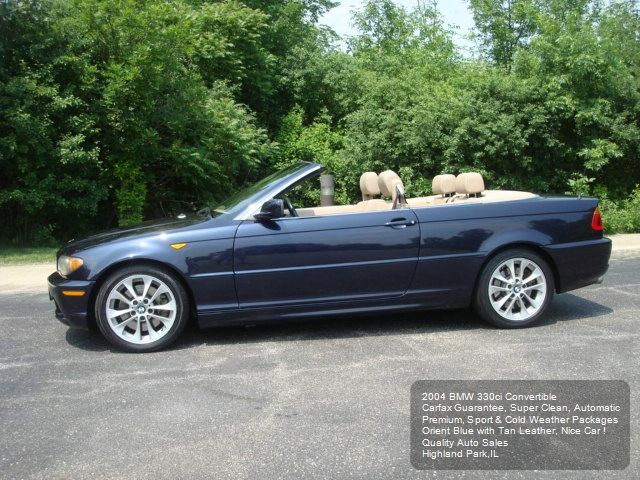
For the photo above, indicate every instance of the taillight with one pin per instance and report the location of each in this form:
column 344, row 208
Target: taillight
column 596, row 221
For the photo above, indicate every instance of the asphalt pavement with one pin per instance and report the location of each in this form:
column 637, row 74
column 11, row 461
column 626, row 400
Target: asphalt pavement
column 325, row 399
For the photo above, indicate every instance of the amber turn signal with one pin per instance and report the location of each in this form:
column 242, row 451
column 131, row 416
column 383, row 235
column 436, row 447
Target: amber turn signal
column 73, row 293
column 178, row 246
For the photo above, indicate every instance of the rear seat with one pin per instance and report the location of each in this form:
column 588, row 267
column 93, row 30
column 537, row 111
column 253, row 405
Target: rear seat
column 469, row 187
column 443, row 187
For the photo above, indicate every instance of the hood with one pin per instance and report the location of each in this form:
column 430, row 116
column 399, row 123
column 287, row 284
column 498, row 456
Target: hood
column 149, row 227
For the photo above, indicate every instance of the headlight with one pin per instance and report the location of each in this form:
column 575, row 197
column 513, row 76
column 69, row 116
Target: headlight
column 67, row 265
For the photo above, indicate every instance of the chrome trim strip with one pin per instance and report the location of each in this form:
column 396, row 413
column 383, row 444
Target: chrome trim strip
column 327, row 265
column 452, row 255
column 210, row 274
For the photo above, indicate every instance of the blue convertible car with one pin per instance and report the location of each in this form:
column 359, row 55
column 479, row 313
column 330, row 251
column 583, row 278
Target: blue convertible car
column 261, row 257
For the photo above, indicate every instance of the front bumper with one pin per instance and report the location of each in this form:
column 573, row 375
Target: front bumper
column 72, row 310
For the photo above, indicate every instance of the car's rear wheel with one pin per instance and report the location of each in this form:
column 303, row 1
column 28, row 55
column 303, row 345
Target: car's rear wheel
column 141, row 308
column 514, row 289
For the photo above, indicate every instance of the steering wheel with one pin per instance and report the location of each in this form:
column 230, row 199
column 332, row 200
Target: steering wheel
column 289, row 205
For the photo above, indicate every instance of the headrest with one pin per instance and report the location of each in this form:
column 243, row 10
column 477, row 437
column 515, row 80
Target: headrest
column 369, row 185
column 469, row 183
column 443, row 184
column 387, row 181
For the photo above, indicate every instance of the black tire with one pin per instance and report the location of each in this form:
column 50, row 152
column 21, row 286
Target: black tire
column 176, row 289
column 481, row 298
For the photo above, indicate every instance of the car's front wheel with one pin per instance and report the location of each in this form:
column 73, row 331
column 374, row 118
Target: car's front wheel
column 514, row 289
column 141, row 308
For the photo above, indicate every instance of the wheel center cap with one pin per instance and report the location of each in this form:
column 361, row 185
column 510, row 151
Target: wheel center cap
column 516, row 289
column 141, row 309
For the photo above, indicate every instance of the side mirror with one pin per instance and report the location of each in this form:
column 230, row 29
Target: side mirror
column 271, row 209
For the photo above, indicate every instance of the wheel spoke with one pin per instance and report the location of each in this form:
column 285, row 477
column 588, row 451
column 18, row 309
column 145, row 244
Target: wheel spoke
column 502, row 301
column 138, row 334
column 151, row 332
column 170, row 306
column 498, row 276
column 128, row 284
column 111, row 313
column 147, row 285
column 497, row 289
column 119, row 296
column 120, row 326
column 164, row 320
column 537, row 273
column 161, row 289
column 512, row 268
column 509, row 307
column 534, row 302
column 524, row 310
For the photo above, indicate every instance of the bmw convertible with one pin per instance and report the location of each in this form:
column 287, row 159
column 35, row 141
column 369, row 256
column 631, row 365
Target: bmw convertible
column 264, row 256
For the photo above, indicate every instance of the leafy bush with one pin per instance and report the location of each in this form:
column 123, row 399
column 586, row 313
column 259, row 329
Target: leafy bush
column 622, row 216
column 111, row 112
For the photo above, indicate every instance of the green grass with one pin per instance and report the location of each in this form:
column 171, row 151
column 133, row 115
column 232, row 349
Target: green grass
column 26, row 255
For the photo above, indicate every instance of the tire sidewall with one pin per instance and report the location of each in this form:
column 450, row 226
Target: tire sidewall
column 176, row 288
column 482, row 303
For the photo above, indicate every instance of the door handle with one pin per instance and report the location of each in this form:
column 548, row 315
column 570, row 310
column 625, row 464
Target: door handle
column 400, row 223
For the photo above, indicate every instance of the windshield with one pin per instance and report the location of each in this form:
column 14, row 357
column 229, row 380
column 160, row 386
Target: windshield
column 242, row 198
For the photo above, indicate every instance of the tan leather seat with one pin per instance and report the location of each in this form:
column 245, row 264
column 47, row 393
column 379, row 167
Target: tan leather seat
column 491, row 196
column 443, row 187
column 374, row 204
column 470, row 183
column 369, row 185
column 370, row 188
column 469, row 187
column 444, row 184
column 386, row 181
column 323, row 211
column 390, row 183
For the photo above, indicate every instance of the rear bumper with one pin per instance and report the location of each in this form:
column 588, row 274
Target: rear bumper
column 580, row 263
column 70, row 310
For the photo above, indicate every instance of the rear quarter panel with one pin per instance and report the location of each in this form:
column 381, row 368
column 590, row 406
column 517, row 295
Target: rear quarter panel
column 456, row 241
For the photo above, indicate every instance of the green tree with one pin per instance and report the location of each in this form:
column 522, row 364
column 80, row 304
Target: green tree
column 112, row 111
column 503, row 26
column 51, row 174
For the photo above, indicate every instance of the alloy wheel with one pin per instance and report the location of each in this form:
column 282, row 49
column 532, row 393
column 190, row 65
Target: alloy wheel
column 141, row 309
column 517, row 289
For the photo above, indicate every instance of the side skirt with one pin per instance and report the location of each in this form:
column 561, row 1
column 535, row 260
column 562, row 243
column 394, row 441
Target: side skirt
column 411, row 301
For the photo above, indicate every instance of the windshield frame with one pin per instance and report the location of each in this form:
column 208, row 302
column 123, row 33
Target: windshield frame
column 276, row 183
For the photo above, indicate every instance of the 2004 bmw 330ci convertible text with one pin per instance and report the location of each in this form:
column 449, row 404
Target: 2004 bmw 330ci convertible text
column 262, row 255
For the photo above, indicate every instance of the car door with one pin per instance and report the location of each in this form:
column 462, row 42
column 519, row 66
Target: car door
column 295, row 260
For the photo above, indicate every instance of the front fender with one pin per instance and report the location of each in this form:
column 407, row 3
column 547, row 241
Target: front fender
column 205, row 265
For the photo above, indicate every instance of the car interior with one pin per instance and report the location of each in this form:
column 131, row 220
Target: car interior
column 385, row 191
